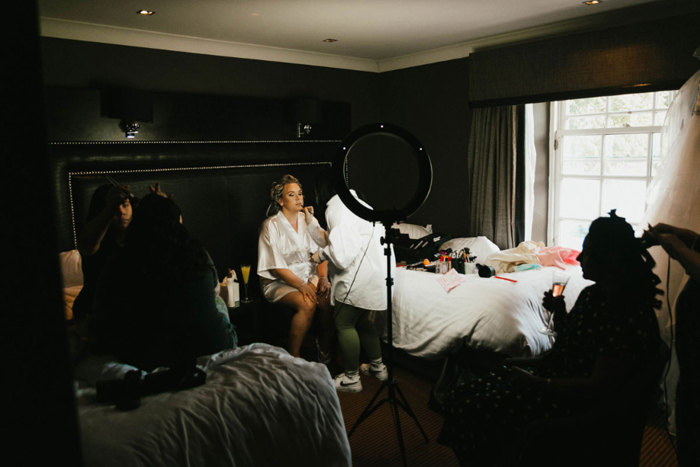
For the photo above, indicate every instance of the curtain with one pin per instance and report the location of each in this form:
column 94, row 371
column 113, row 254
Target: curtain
column 496, row 175
column 673, row 198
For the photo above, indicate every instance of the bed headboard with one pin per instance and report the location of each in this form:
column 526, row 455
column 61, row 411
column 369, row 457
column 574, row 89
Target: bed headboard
column 222, row 188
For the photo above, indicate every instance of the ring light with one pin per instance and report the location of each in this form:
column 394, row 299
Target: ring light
column 425, row 173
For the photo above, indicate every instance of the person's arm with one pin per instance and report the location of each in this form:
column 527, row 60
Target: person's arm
column 94, row 232
column 609, row 373
column 324, row 286
column 678, row 243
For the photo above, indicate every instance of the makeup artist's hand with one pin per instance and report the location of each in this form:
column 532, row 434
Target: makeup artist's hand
column 553, row 304
column 309, row 214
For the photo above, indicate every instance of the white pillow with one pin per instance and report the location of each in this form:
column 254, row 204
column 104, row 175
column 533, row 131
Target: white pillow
column 414, row 231
column 482, row 247
column 71, row 268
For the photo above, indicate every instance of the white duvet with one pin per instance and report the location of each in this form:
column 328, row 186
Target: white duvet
column 482, row 313
column 259, row 407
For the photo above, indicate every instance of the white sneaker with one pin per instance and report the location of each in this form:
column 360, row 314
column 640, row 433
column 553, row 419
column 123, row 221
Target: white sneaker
column 380, row 372
column 344, row 384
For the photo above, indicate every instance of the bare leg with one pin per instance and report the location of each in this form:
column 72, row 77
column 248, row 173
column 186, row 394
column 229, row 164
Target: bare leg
column 301, row 322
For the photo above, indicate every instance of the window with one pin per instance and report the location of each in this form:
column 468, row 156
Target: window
column 606, row 151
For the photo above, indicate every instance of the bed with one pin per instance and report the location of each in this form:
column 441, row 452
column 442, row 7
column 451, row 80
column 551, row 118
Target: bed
column 487, row 314
column 259, row 405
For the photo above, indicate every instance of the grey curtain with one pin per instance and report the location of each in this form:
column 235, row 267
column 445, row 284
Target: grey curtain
column 496, row 169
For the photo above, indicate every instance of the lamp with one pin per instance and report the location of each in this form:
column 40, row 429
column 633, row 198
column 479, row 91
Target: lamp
column 395, row 397
column 305, row 112
column 130, row 106
column 131, row 128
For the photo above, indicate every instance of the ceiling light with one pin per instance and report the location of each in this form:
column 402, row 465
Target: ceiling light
column 593, row 2
column 330, row 40
column 145, row 12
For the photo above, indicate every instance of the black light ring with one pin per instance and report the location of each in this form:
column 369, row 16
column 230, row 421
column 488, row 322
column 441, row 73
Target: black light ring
column 425, row 173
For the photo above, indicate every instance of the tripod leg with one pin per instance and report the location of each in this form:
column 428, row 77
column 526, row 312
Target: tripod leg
column 397, row 424
column 407, row 408
column 369, row 409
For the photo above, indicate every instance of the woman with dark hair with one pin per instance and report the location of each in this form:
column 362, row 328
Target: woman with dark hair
column 357, row 267
column 609, row 336
column 287, row 274
column 155, row 304
column 108, row 217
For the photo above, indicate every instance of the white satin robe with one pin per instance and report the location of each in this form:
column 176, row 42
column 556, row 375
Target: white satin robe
column 281, row 247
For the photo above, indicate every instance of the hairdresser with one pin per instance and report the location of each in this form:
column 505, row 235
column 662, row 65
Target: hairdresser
column 357, row 268
column 683, row 246
column 109, row 215
column 602, row 345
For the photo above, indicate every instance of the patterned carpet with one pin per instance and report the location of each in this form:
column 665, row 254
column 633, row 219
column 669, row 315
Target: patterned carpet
column 374, row 443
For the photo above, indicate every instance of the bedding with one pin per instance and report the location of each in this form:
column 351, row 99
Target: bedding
column 481, row 313
column 259, row 406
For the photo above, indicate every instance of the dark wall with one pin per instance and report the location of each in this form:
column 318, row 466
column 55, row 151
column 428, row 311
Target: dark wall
column 88, row 65
column 199, row 97
column 431, row 102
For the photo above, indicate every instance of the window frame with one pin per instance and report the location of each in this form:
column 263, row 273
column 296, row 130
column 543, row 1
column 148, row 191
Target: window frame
column 558, row 132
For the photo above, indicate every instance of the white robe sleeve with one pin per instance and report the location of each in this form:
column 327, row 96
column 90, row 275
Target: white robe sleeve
column 268, row 255
column 317, row 234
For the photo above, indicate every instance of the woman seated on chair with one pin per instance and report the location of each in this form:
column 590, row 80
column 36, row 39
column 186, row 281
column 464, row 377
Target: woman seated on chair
column 155, row 303
column 604, row 342
column 288, row 276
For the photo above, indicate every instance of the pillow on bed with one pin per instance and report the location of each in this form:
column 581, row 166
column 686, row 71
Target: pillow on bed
column 71, row 268
column 479, row 246
column 414, row 231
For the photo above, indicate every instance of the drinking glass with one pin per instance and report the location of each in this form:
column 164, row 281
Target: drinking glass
column 559, row 281
column 245, row 273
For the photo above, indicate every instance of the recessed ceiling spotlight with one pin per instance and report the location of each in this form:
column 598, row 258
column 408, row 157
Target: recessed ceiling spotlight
column 145, row 12
column 330, row 40
column 593, row 2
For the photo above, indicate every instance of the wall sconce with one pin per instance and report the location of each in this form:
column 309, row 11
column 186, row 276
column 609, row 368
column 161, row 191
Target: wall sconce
column 131, row 128
column 131, row 107
column 303, row 129
column 304, row 112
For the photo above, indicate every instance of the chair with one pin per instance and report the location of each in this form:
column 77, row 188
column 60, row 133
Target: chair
column 610, row 434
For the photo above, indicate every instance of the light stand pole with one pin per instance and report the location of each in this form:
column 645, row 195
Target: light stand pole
column 395, row 397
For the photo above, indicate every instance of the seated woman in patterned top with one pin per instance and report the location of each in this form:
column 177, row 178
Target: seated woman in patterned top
column 608, row 337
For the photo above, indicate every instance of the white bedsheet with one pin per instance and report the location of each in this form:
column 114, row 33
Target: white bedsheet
column 483, row 313
column 259, row 407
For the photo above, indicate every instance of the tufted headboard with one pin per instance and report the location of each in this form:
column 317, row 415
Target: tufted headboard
column 222, row 188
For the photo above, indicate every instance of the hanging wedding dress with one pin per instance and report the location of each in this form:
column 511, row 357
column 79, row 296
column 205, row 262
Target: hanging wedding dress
column 673, row 198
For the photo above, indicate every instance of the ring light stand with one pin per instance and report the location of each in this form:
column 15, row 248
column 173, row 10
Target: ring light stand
column 395, row 397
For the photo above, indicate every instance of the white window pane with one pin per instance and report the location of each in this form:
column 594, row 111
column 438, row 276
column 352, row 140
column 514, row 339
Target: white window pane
column 632, row 102
column 581, row 154
column 585, row 123
column 626, row 154
column 630, row 119
column 572, row 233
column 585, row 106
column 579, row 199
column 659, row 118
column 627, row 196
column 663, row 99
